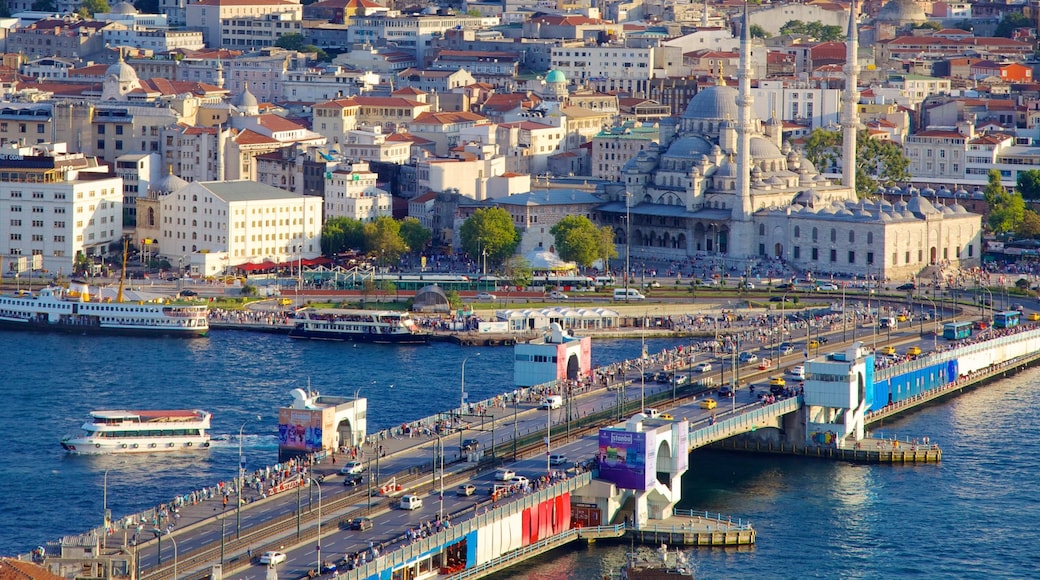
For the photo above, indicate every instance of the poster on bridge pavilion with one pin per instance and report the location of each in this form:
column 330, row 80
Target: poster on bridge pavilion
column 623, row 459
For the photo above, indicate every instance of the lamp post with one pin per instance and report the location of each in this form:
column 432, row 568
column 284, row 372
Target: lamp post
column 107, row 517
column 935, row 324
column 462, row 400
column 440, row 510
column 628, row 239
column 317, row 547
column 159, row 534
column 241, row 469
column 548, row 438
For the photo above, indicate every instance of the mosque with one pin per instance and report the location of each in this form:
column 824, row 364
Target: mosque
column 728, row 186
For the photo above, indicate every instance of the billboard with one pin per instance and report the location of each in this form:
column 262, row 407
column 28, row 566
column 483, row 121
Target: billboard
column 300, row 429
column 623, row 459
column 682, row 446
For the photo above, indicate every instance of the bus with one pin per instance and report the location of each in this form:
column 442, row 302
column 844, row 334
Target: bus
column 1007, row 319
column 956, row 330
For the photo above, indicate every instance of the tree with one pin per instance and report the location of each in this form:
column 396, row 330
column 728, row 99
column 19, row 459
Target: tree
column 490, row 230
column 291, row 41
column 607, row 247
column 1029, row 183
column 577, row 240
column 1010, row 22
column 929, row 26
column 1030, row 226
column 1006, row 210
column 878, row 162
column 757, row 31
column 822, row 148
column 340, row 234
column 91, row 7
column 518, row 270
column 814, row 30
column 384, row 241
column 44, row 5
column 319, row 54
column 415, row 235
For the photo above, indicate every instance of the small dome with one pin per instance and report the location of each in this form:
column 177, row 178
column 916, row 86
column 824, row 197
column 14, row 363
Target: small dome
column 920, row 206
column 247, row 102
column 717, row 103
column 125, row 8
column 958, row 208
column 727, row 169
column 928, row 192
column 762, row 148
column 807, row 165
column 168, row 184
column 902, row 12
column 122, row 72
column 688, row 147
column 555, row 76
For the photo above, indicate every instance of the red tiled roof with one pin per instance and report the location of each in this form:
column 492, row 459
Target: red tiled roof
column 94, row 70
column 248, row 137
column 428, row 196
column 446, row 118
column 408, row 138
column 12, row 569
column 168, row 87
column 389, row 102
column 408, row 91
column 276, row 123
column 939, row 133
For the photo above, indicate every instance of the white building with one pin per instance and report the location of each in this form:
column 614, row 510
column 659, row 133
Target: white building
column 797, row 102
column 626, row 68
column 57, row 205
column 243, row 23
column 156, row 40
column 413, row 33
column 372, row 144
column 138, row 172
column 352, row 193
column 250, row 221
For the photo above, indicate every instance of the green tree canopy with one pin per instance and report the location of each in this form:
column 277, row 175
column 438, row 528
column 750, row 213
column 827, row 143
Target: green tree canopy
column 415, row 235
column 490, row 230
column 340, row 234
column 814, row 30
column 878, row 162
column 576, row 239
column 319, row 54
column 1029, row 183
column 1006, row 210
column 518, row 270
column 1030, row 226
column 823, row 148
column 91, row 7
column 607, row 247
column 291, row 41
column 1010, row 22
column 929, row 25
column 384, row 241
column 757, row 31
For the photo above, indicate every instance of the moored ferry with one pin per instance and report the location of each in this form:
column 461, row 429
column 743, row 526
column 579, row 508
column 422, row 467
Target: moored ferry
column 72, row 309
column 380, row 326
column 141, row 432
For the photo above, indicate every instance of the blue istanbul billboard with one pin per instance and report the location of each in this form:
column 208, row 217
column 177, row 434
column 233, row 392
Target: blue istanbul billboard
column 623, row 459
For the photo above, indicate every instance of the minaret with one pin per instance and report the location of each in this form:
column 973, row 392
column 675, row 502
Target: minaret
column 704, row 15
column 850, row 99
column 742, row 229
column 220, row 74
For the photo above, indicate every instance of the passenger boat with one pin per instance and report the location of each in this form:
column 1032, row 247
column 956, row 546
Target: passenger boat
column 664, row 565
column 380, row 326
column 73, row 309
column 141, row 432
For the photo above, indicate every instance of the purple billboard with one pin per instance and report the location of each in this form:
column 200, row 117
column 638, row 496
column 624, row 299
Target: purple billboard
column 623, row 459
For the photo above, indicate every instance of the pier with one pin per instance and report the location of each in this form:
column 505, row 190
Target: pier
column 476, row 535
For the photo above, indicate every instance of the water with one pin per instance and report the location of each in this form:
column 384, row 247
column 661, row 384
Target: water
column 972, row 516
column 51, row 383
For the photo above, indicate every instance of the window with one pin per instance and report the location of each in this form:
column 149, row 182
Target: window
column 761, row 230
column 852, row 257
column 852, row 237
column 834, row 236
column 815, row 235
column 834, row 255
column 870, row 238
column 870, row 258
column 815, row 254
column 797, row 232
column 797, row 252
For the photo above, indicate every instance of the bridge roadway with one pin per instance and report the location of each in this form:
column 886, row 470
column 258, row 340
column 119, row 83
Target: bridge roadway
column 199, row 531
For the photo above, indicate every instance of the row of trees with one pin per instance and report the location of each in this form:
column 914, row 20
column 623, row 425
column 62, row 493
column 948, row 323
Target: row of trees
column 878, row 162
column 385, row 239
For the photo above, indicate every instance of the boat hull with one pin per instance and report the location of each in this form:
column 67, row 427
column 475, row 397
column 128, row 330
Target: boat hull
column 102, row 330
column 82, row 446
column 376, row 338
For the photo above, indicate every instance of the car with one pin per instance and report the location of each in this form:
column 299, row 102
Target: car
column 726, row 391
column 709, row 283
column 666, row 417
column 557, row 459
column 748, row 286
column 353, row 480
column 914, row 351
column 557, row 295
column 823, row 340
column 888, row 350
column 521, row 480
column 411, row 502
column 901, row 318
column 785, row 287
column 703, row 367
column 1034, row 316
column 747, row 357
column 487, row 296
column 664, row 378
column 651, row 412
column 505, row 475
column 470, row 445
column 189, row 293
column 649, row 376
column 466, row 489
column 908, row 287
column 352, row 468
column 285, row 301
column 329, row 568
column 680, row 380
column 827, row 287
column 652, row 284
column 786, row 349
column 272, row 558
column 814, row 343
column 777, row 382
column 780, row 299
column 709, row 404
column 797, row 371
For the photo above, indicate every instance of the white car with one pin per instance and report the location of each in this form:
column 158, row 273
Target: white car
column 703, row 367
column 486, row 296
column 505, row 475
column 352, row 468
column 557, row 295
column 827, row 287
column 272, row 558
column 521, row 480
column 797, row 372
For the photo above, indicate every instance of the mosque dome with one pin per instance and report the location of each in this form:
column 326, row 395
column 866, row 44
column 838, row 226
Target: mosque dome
column 717, row 102
column 122, row 72
column 125, row 8
column 920, row 206
column 555, row 76
column 169, row 183
column 247, row 102
column 689, row 147
column 901, row 12
column 727, row 169
column 958, row 208
column 762, row 148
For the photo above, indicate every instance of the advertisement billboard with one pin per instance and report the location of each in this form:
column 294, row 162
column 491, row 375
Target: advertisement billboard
column 623, row 459
column 300, row 429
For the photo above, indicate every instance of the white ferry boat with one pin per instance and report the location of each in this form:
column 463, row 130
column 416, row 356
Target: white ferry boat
column 73, row 310
column 380, row 326
column 141, row 432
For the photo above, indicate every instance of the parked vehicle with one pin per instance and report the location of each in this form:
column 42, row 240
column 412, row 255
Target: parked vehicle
column 703, row 367
column 630, row 294
column 552, row 402
column 411, row 502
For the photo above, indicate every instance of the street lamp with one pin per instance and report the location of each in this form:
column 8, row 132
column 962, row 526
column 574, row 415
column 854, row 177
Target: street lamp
column 317, row 547
column 462, row 400
column 628, row 239
column 159, row 534
column 548, row 438
column 241, row 469
column 440, row 510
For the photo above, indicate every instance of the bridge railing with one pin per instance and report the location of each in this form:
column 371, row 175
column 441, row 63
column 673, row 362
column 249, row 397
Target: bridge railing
column 922, row 362
column 740, row 524
column 401, row 555
column 534, row 549
column 702, row 435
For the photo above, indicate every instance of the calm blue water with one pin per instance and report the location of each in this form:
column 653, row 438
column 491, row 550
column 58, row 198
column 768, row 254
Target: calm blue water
column 973, row 516
column 51, row 382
